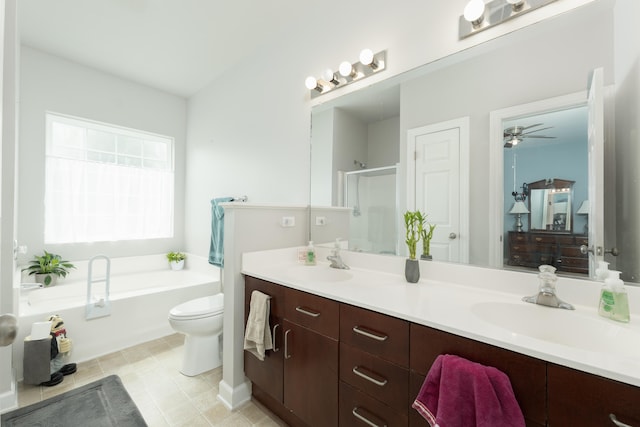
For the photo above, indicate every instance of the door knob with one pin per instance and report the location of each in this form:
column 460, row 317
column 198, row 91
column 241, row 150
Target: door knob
column 8, row 329
column 584, row 249
column 612, row 251
column 452, row 236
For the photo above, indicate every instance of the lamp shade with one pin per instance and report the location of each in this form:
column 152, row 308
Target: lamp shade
column 584, row 208
column 519, row 208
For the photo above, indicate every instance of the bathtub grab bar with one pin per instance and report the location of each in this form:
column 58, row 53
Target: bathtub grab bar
column 102, row 307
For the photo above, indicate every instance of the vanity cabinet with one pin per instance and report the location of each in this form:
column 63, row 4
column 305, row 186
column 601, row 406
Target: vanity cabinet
column 579, row 398
column 527, row 374
column 561, row 250
column 374, row 368
column 298, row 380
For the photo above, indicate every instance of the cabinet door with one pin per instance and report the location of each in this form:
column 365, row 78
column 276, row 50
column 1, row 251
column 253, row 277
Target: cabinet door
column 310, row 375
column 527, row 375
column 580, row 399
column 267, row 374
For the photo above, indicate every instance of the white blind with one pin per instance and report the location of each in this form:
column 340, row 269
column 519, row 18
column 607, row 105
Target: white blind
column 106, row 183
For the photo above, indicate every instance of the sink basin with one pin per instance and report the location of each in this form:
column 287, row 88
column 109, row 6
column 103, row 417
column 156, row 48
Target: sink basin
column 318, row 273
column 566, row 327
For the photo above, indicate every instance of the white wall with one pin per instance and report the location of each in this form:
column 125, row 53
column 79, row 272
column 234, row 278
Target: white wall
column 249, row 130
column 49, row 83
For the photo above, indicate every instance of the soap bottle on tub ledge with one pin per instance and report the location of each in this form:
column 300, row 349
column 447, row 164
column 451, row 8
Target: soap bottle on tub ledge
column 614, row 302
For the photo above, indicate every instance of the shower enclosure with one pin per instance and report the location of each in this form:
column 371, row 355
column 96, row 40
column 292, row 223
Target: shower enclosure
column 372, row 194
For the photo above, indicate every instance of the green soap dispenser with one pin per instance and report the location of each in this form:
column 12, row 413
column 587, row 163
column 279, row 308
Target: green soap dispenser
column 614, row 302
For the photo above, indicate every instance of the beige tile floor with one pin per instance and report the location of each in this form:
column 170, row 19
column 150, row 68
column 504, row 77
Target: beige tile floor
column 165, row 397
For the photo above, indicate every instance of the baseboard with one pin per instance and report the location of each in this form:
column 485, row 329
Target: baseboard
column 9, row 399
column 233, row 398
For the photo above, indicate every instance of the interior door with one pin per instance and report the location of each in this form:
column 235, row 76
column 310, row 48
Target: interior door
column 439, row 185
column 595, row 106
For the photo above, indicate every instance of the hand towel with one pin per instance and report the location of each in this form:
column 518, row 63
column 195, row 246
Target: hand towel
column 257, row 336
column 216, row 248
column 461, row 393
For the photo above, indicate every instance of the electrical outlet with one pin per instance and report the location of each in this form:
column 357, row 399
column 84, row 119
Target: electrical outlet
column 288, row 221
column 321, row 220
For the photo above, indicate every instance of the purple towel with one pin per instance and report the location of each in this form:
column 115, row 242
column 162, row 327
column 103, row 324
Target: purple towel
column 460, row 393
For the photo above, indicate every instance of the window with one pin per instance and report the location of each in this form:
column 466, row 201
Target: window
column 106, row 183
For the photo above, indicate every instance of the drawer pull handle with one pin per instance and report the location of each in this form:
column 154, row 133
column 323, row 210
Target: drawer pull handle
column 286, row 347
column 307, row 311
column 273, row 338
column 369, row 334
column 364, row 419
column 538, row 239
column 613, row 418
column 357, row 370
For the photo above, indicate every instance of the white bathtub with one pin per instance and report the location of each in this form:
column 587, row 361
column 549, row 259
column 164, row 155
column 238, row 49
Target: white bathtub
column 142, row 291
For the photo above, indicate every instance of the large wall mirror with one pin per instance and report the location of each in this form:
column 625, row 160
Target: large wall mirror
column 372, row 128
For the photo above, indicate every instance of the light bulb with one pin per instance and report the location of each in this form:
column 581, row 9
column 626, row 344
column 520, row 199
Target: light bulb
column 366, row 57
column 311, row 83
column 474, row 12
column 330, row 76
column 346, row 69
column 516, row 5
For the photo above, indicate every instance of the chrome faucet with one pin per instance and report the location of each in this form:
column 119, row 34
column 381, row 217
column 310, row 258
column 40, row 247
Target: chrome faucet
column 547, row 290
column 335, row 258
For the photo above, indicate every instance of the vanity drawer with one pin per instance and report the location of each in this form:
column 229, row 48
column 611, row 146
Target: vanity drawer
column 515, row 237
column 378, row 378
column 355, row 404
column 313, row 312
column 543, row 238
column 375, row 333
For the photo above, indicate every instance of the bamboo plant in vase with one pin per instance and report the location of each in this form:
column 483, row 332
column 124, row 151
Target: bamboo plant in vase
column 426, row 233
column 176, row 260
column 412, row 236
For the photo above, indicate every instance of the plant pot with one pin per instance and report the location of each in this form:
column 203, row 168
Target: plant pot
column 412, row 270
column 177, row 265
column 47, row 279
column 426, row 257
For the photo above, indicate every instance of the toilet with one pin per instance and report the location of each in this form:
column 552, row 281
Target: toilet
column 201, row 321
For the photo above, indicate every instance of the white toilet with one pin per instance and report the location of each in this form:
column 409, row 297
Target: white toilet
column 201, row 321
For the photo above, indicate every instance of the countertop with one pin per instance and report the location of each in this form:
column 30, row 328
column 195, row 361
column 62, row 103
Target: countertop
column 474, row 302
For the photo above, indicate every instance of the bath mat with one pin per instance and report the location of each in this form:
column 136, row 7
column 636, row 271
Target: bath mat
column 104, row 403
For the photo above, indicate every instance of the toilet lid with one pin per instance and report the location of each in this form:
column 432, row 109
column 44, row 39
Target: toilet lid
column 205, row 306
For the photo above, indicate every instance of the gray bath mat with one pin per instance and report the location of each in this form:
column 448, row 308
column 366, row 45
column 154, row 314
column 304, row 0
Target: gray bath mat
column 104, row 403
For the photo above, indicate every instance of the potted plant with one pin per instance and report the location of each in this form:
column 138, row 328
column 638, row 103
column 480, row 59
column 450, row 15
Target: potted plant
column 48, row 267
column 176, row 260
column 426, row 232
column 412, row 222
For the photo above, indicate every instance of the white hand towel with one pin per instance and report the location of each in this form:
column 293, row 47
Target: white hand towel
column 257, row 336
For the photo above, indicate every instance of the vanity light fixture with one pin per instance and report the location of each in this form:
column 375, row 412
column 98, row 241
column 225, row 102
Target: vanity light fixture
column 478, row 15
column 368, row 64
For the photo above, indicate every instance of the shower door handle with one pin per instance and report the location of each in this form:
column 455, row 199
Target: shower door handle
column 453, row 236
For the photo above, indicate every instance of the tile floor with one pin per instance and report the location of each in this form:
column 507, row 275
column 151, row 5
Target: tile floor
column 165, row 397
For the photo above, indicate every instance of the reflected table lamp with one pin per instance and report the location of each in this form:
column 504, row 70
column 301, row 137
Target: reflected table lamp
column 518, row 209
column 584, row 210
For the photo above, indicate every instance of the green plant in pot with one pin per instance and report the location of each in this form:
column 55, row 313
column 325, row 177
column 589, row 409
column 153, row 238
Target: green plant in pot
column 48, row 267
column 176, row 260
column 426, row 233
column 412, row 221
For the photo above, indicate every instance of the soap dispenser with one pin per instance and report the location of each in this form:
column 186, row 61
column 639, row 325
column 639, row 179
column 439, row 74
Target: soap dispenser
column 602, row 271
column 310, row 258
column 614, row 302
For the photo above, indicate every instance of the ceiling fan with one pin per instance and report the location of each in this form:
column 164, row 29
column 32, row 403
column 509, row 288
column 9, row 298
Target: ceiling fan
column 515, row 134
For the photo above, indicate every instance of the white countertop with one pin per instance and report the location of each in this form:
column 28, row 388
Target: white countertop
column 478, row 303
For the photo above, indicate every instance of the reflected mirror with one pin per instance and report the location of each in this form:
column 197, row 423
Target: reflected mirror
column 370, row 127
column 550, row 205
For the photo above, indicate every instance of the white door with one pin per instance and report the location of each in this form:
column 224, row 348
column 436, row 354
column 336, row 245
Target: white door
column 595, row 106
column 438, row 172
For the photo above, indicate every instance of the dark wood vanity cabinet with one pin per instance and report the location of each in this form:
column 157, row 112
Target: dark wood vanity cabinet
column 586, row 400
column 348, row 366
column 531, row 249
column 298, row 380
column 374, row 368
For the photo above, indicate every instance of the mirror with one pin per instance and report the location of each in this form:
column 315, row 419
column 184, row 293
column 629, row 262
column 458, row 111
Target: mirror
column 550, row 205
column 526, row 66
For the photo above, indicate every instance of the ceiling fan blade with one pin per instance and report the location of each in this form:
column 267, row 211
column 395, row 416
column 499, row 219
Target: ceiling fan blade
column 531, row 126
column 537, row 136
column 537, row 130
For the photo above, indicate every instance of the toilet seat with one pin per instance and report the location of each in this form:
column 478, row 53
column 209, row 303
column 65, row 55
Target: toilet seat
column 198, row 308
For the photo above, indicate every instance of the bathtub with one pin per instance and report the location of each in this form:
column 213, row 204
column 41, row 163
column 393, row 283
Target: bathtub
column 142, row 291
